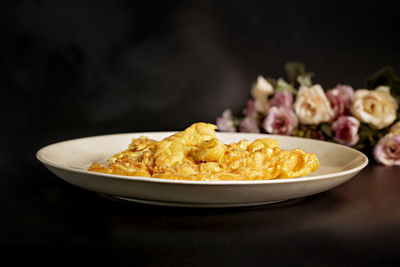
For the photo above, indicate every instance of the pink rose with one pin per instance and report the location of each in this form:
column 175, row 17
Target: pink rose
column 282, row 99
column 387, row 151
column 225, row 122
column 280, row 121
column 340, row 99
column 249, row 125
column 346, row 130
column 250, row 109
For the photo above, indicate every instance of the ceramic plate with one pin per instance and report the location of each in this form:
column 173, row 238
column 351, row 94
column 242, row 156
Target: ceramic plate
column 69, row 160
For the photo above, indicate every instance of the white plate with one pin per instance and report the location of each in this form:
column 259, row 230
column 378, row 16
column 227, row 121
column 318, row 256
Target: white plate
column 70, row 159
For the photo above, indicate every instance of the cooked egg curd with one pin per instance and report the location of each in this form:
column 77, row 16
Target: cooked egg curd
column 196, row 154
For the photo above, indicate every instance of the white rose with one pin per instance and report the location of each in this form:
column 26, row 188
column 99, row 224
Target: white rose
column 376, row 108
column 312, row 106
column 260, row 92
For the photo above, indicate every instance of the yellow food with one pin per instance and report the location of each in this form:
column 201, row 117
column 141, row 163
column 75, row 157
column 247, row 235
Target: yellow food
column 196, row 154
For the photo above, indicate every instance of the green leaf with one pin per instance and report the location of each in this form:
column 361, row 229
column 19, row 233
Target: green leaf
column 236, row 122
column 385, row 76
column 282, row 85
column 327, row 130
column 305, row 79
column 260, row 116
column 298, row 131
column 364, row 132
column 370, row 136
column 293, row 70
column 272, row 81
column 360, row 146
column 297, row 75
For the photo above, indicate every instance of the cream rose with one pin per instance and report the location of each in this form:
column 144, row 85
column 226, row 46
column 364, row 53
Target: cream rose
column 376, row 107
column 395, row 128
column 312, row 106
column 260, row 92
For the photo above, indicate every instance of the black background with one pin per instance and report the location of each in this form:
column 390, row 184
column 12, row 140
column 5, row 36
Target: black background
column 81, row 68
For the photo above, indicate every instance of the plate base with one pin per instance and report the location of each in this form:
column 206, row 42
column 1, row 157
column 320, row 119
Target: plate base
column 189, row 205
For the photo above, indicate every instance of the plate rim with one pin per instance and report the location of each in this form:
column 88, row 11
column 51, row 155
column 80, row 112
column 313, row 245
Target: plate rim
column 189, row 204
column 45, row 161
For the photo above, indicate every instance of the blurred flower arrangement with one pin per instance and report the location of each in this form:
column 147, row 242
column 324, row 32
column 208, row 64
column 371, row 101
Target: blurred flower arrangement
column 364, row 118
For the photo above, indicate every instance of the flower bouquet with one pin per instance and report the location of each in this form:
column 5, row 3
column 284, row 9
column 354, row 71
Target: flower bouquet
column 364, row 118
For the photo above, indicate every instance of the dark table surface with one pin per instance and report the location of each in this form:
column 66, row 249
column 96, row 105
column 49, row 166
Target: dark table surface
column 49, row 221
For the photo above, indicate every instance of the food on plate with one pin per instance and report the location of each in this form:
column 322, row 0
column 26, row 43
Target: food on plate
column 196, row 154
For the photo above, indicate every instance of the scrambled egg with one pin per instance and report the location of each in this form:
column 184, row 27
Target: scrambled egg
column 196, row 154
